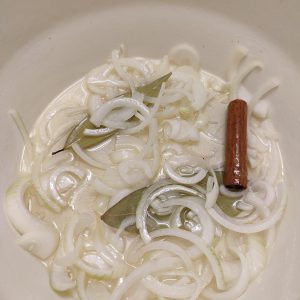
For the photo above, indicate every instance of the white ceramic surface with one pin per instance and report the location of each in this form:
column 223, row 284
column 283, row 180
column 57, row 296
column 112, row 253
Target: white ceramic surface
column 46, row 45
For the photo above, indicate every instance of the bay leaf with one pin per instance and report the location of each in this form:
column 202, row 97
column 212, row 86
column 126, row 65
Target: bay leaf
column 151, row 89
column 76, row 136
column 123, row 209
column 77, row 133
column 128, row 205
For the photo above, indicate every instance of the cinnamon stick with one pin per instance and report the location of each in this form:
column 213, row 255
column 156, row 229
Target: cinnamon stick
column 235, row 169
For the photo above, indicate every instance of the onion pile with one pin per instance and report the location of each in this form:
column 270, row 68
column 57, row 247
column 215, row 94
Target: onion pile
column 171, row 143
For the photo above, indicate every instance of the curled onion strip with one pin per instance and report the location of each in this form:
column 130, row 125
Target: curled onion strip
column 201, row 244
column 38, row 237
column 147, row 119
column 241, row 75
column 183, row 291
column 224, row 191
column 197, row 206
column 149, row 267
column 36, row 181
column 135, row 164
column 102, row 188
column 60, row 278
column 88, row 159
column 119, row 196
column 97, row 131
column 182, row 179
column 235, row 291
column 166, row 246
column 81, row 286
column 148, row 197
column 231, row 223
column 116, row 62
column 53, row 178
column 24, row 133
column 267, row 87
column 212, row 194
column 239, row 55
column 128, row 221
column 99, row 115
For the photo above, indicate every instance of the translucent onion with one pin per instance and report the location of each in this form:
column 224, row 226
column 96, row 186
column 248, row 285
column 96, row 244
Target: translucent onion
column 261, row 91
column 88, row 159
column 184, row 54
column 24, row 133
column 165, row 246
column 212, row 194
column 149, row 267
column 60, row 278
column 182, row 291
column 36, row 181
column 130, row 177
column 224, row 191
column 53, row 179
column 148, row 197
column 81, row 286
column 203, row 247
column 97, row 132
column 102, row 188
column 197, row 206
column 241, row 75
column 231, row 223
column 38, row 237
column 256, row 255
column 180, row 130
column 239, row 55
column 184, row 179
column 237, row 289
column 99, row 115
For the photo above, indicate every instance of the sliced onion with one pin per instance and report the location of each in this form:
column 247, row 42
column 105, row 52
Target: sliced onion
column 149, row 267
column 99, row 115
column 184, row 54
column 240, row 54
column 130, row 177
column 236, row 290
column 201, row 244
column 212, row 194
column 241, row 75
column 24, row 133
column 166, row 246
column 81, row 286
column 197, row 206
column 231, row 223
column 180, row 130
column 261, row 91
column 38, row 237
column 224, row 191
column 256, row 255
column 36, row 181
column 88, row 159
column 53, row 179
column 97, row 131
column 183, row 179
column 102, row 188
column 60, row 278
column 149, row 196
column 183, row 291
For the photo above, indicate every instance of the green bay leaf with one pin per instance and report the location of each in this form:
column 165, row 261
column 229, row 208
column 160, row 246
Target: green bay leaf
column 151, row 89
column 123, row 209
column 128, row 205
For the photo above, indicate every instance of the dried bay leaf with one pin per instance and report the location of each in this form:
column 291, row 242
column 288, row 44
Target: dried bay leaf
column 151, row 89
column 128, row 205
